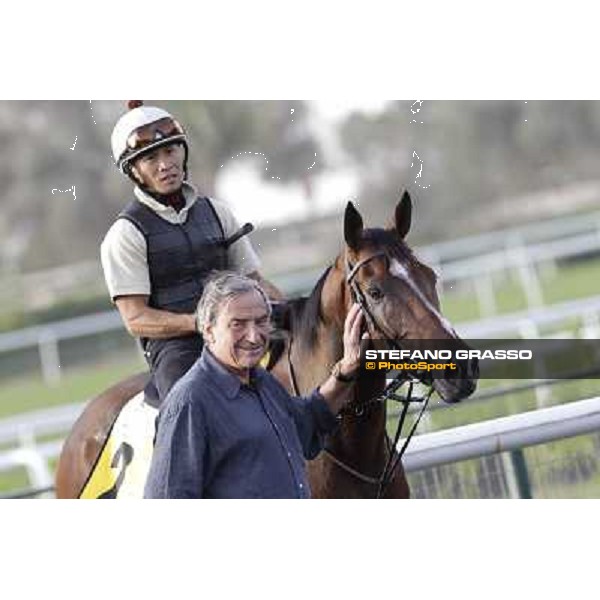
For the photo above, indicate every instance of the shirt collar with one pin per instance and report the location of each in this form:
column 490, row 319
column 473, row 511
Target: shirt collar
column 229, row 383
column 190, row 196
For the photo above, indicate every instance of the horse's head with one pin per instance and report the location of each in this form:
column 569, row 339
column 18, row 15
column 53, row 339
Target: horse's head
column 398, row 292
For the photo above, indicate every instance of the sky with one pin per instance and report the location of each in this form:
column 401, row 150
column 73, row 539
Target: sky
column 270, row 203
column 335, row 110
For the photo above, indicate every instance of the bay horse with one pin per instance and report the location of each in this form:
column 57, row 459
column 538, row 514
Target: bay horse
column 399, row 294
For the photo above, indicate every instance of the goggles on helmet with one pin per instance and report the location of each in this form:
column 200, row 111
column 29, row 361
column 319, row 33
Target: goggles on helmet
column 140, row 131
column 152, row 133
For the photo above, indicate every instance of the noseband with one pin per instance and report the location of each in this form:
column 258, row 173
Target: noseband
column 358, row 295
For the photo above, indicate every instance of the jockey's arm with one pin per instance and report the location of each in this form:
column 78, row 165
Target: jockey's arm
column 143, row 321
column 272, row 291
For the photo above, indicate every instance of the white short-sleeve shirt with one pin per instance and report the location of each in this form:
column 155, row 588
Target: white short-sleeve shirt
column 123, row 250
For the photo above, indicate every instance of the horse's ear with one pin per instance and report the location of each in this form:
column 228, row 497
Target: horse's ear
column 353, row 226
column 403, row 215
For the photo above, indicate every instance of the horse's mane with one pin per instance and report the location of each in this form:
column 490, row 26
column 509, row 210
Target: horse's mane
column 305, row 313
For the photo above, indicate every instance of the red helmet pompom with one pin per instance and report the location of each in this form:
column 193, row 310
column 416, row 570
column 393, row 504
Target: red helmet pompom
column 131, row 104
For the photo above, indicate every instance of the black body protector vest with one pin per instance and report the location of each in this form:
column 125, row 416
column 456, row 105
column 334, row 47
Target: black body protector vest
column 180, row 256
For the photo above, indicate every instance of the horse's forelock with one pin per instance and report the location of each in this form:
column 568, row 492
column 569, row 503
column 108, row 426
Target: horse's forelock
column 306, row 311
column 387, row 240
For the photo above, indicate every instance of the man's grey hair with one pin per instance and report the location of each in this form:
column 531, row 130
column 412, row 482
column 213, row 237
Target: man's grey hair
column 219, row 288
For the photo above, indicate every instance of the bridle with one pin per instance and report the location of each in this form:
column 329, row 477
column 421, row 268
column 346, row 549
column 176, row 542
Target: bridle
column 358, row 295
column 357, row 410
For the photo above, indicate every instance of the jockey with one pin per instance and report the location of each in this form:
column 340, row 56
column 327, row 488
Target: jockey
column 165, row 242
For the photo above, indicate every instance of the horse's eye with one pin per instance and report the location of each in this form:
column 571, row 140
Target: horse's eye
column 375, row 292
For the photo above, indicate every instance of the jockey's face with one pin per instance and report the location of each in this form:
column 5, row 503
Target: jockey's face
column 161, row 170
column 239, row 337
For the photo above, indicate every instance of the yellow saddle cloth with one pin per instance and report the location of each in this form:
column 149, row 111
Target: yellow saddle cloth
column 122, row 467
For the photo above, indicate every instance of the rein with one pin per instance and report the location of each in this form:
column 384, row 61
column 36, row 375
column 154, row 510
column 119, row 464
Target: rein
column 359, row 409
column 389, row 393
column 394, row 459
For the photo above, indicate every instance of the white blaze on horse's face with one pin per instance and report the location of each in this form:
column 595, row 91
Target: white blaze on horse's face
column 400, row 271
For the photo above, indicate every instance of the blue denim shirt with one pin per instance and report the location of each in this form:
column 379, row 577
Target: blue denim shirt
column 220, row 438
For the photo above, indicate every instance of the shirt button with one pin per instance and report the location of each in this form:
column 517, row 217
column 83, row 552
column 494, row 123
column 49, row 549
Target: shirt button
column 301, row 486
column 289, row 455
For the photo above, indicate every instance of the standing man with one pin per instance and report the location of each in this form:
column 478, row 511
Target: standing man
column 228, row 428
column 165, row 242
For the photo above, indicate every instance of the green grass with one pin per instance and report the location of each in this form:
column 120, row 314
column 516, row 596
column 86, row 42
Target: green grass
column 560, row 285
column 15, row 479
column 76, row 385
column 444, row 416
column 567, row 468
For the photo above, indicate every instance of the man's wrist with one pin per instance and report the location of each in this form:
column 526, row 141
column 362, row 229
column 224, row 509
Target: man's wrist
column 344, row 372
column 349, row 367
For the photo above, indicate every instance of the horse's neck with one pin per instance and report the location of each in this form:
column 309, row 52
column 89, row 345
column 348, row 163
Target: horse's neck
column 316, row 358
column 359, row 439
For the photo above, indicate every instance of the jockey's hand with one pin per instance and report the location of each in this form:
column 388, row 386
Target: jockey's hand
column 352, row 326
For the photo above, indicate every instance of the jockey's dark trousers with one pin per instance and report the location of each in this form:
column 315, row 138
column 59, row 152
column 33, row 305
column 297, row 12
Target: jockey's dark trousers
column 169, row 360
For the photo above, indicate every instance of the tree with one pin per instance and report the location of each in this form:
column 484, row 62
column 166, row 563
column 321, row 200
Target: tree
column 240, row 130
column 42, row 160
column 470, row 155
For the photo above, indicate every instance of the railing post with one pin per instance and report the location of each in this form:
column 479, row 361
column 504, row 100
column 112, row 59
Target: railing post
column 38, row 470
column 49, row 357
column 529, row 330
column 484, row 289
column 510, row 476
column 528, row 276
column 521, row 474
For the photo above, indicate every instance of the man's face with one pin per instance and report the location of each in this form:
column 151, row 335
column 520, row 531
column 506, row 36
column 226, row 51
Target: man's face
column 239, row 337
column 161, row 170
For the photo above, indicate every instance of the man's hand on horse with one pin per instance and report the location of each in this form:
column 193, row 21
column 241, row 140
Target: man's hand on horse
column 352, row 338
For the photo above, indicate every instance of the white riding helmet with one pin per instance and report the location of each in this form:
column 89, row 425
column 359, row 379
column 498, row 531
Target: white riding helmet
column 140, row 130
